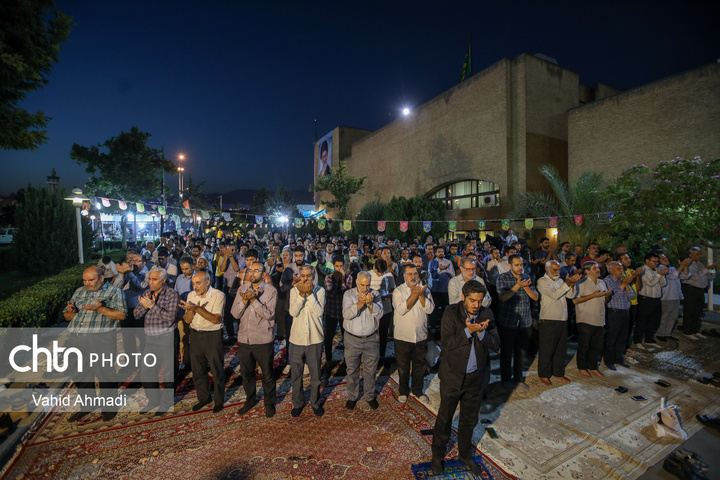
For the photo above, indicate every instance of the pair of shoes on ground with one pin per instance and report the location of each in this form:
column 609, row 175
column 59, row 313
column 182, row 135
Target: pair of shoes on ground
column 319, row 412
column 437, row 465
column 421, row 398
column 686, row 465
column 199, row 405
column 269, row 409
column 350, row 404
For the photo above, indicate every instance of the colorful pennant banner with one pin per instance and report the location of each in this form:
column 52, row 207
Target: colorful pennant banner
column 321, row 224
column 403, row 226
column 298, row 223
column 578, row 220
column 162, row 210
column 347, row 225
column 529, row 222
column 553, row 222
column 258, row 219
column 122, row 205
column 481, row 225
column 140, row 207
column 427, row 226
column 381, row 226
column 105, row 202
column 505, row 224
column 452, row 226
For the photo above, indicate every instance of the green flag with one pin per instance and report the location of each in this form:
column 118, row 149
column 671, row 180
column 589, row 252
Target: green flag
column 467, row 63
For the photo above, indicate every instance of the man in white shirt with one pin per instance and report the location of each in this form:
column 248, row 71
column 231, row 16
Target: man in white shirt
column 204, row 312
column 590, row 296
column 362, row 309
column 649, row 303
column 307, row 303
column 553, row 322
column 468, row 268
column 412, row 303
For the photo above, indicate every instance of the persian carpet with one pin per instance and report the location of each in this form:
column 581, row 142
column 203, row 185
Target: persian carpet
column 359, row 444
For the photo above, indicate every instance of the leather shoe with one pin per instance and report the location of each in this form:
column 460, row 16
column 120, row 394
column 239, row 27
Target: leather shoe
column 107, row 416
column 350, row 404
column 437, row 466
column 319, row 412
column 77, row 416
column 373, row 404
column 295, row 412
column 247, row 407
column 218, row 408
column 474, row 467
column 199, row 405
column 624, row 365
column 269, row 411
column 709, row 421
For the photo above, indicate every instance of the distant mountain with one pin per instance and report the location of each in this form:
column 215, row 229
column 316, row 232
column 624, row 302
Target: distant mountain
column 244, row 196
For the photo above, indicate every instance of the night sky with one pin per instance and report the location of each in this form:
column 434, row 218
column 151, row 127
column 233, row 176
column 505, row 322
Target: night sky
column 236, row 86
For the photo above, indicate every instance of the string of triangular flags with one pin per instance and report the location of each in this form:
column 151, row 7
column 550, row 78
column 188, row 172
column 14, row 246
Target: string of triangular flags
column 259, row 220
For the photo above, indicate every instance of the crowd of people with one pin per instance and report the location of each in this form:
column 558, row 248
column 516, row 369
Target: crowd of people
column 324, row 294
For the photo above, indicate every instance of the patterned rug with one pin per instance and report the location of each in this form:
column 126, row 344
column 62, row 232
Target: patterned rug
column 358, row 444
column 585, row 429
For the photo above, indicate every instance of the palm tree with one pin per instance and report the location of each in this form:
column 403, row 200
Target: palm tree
column 584, row 196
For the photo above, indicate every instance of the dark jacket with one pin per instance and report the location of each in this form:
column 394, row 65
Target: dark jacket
column 456, row 346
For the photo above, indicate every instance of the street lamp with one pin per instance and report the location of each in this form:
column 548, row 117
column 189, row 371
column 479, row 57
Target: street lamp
column 77, row 198
column 180, row 180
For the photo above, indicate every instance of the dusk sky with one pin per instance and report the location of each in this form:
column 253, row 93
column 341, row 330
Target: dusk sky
column 236, row 86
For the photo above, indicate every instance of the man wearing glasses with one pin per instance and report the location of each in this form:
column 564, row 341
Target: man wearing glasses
column 254, row 309
column 649, row 304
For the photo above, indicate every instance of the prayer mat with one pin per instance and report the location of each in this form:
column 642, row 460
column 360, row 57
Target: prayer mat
column 358, row 444
column 586, row 429
column 456, row 470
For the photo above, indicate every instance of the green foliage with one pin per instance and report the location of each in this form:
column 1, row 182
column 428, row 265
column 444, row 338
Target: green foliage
column 46, row 239
column 260, row 201
column 41, row 304
column 193, row 193
column 370, row 213
column 29, row 44
column 281, row 203
column 415, row 210
column 676, row 201
column 123, row 167
column 341, row 186
column 585, row 196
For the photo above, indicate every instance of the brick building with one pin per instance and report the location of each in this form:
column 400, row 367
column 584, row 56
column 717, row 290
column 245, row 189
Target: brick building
column 483, row 140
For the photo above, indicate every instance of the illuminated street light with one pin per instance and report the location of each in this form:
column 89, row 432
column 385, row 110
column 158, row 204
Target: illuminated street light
column 77, row 198
column 406, row 111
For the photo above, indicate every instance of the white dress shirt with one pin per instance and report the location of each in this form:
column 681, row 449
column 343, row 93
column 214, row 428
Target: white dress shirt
column 455, row 290
column 411, row 325
column 553, row 300
column 214, row 302
column 361, row 322
column 307, row 313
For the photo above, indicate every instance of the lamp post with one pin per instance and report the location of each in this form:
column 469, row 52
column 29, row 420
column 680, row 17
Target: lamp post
column 77, row 198
column 181, row 157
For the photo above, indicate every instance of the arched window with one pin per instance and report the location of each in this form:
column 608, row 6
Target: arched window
column 468, row 194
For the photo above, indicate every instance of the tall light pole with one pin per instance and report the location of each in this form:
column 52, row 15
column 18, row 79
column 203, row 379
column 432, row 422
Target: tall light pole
column 77, row 198
column 181, row 157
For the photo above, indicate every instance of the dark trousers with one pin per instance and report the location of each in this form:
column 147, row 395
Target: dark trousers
column 590, row 343
column 329, row 330
column 151, row 375
column 441, row 300
column 469, row 395
column 206, row 355
column 553, row 348
column 133, row 333
column 263, row 355
column 632, row 321
column 411, row 355
column 228, row 319
column 98, row 342
column 383, row 330
column 616, row 323
column 693, row 307
column 648, row 319
column 513, row 347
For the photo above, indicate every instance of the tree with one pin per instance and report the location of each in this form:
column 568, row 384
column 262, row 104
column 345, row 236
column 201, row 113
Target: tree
column 29, row 45
column 369, row 215
column 676, row 201
column 123, row 167
column 585, row 196
column 341, row 186
column 193, row 194
column 281, row 203
column 46, row 237
column 415, row 210
column 259, row 202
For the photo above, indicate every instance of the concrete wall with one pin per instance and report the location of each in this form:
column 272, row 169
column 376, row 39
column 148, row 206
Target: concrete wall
column 675, row 117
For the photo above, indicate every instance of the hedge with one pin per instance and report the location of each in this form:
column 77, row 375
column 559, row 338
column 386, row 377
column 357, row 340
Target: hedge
column 41, row 305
